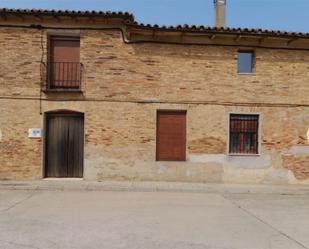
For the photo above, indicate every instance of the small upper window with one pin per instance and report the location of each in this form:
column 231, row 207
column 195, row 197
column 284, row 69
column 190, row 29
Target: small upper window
column 245, row 62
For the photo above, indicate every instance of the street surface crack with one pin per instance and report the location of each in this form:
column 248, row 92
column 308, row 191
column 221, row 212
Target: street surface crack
column 264, row 222
column 17, row 203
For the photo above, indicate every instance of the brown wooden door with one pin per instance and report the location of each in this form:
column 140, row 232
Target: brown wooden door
column 171, row 136
column 64, row 145
column 64, row 62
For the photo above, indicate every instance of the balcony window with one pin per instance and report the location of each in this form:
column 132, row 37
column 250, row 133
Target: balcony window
column 64, row 68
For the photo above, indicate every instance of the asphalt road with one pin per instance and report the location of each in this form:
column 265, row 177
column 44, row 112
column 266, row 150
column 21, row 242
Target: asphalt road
column 152, row 220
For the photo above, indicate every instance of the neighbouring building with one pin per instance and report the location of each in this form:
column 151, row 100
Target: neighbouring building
column 96, row 95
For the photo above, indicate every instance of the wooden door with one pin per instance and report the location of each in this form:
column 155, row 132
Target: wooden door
column 171, row 136
column 64, row 145
column 64, row 62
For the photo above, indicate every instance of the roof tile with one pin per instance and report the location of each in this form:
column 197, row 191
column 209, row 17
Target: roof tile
column 129, row 20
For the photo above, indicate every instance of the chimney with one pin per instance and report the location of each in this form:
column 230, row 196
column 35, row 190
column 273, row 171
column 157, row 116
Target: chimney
column 220, row 6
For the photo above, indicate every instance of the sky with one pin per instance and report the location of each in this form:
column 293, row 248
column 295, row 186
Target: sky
column 287, row 15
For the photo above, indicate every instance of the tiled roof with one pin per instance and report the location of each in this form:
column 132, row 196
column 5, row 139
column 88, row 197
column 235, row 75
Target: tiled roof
column 124, row 15
column 129, row 20
column 227, row 30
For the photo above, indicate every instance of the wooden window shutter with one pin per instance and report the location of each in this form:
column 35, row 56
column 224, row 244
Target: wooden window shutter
column 171, row 136
column 64, row 62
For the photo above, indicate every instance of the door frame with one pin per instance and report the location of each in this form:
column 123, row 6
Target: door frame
column 61, row 112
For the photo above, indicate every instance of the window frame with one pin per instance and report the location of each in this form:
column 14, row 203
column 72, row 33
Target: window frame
column 252, row 64
column 259, row 136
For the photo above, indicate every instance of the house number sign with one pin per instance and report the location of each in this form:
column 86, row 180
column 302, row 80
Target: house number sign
column 34, row 133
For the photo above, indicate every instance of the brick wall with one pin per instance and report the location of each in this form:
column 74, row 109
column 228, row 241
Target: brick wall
column 120, row 127
column 188, row 72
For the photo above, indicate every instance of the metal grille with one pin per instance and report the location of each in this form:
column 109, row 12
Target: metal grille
column 244, row 134
column 64, row 75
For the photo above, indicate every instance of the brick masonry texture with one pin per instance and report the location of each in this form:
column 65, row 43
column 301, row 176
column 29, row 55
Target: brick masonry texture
column 120, row 128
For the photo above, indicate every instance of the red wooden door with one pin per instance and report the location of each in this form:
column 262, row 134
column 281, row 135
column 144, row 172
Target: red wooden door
column 64, row 63
column 171, row 136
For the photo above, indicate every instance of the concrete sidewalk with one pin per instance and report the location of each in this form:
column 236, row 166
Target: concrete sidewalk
column 152, row 220
column 81, row 185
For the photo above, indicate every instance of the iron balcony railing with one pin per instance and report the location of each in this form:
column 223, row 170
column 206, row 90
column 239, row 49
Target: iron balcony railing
column 64, row 75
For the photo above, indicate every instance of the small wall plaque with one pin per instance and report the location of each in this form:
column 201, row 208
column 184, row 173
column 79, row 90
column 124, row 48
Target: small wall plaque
column 34, row 133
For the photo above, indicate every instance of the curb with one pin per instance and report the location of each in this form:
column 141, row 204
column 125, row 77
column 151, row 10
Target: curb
column 73, row 185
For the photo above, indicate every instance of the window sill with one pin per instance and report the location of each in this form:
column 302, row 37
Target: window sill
column 248, row 74
column 243, row 154
column 63, row 90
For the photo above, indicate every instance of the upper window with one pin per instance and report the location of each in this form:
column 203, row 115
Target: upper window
column 64, row 68
column 245, row 62
column 244, row 134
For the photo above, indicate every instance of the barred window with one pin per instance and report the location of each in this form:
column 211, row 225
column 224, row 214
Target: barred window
column 244, row 134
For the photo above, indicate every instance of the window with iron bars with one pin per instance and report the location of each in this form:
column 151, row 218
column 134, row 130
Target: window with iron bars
column 244, row 134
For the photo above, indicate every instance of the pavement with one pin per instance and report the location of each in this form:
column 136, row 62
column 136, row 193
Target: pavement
column 152, row 216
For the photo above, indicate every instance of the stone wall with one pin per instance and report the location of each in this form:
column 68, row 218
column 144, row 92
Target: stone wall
column 124, row 85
